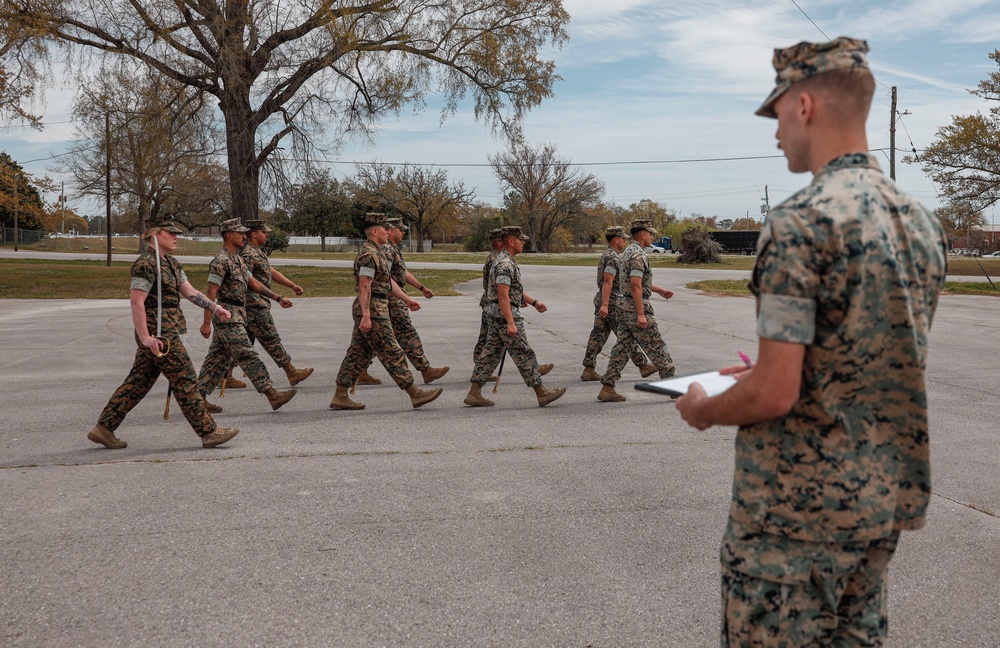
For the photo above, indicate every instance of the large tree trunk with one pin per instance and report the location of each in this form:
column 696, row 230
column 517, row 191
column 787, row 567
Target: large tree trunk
column 244, row 173
column 420, row 238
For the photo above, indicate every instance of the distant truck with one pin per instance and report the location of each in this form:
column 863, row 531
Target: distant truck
column 663, row 243
column 736, row 241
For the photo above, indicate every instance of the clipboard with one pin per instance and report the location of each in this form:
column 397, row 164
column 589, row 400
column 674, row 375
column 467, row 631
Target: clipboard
column 713, row 382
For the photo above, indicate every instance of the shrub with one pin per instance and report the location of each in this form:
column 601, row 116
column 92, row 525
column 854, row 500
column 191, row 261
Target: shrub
column 699, row 247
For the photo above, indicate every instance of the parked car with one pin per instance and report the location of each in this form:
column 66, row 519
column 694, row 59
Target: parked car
column 652, row 249
column 992, row 254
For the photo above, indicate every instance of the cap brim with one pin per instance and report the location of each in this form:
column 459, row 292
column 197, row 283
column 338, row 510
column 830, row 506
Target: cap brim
column 525, row 237
column 767, row 108
column 171, row 228
column 263, row 228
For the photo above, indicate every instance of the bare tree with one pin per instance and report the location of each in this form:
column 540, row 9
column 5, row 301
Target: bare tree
column 423, row 198
column 280, row 69
column 22, row 63
column 544, row 190
column 965, row 157
column 160, row 136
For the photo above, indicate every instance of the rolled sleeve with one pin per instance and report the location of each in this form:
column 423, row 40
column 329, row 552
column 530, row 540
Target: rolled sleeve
column 142, row 283
column 787, row 319
column 611, row 271
column 637, row 273
column 503, row 279
column 365, row 271
column 214, row 279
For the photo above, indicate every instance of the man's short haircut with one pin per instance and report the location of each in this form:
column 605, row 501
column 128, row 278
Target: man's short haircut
column 847, row 92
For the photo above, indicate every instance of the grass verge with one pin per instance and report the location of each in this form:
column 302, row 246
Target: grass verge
column 738, row 288
column 42, row 279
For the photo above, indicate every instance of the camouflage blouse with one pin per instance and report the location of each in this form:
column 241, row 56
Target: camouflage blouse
column 260, row 268
column 171, row 277
column 486, row 276
column 851, row 268
column 371, row 262
column 504, row 271
column 610, row 263
column 635, row 263
column 230, row 273
column 397, row 271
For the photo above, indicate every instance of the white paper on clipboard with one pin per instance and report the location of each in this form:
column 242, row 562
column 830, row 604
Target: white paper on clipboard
column 713, row 382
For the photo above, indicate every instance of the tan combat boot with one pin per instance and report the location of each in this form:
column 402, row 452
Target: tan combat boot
column 647, row 369
column 431, row 374
column 476, row 398
column 420, row 397
column 669, row 372
column 589, row 374
column 218, row 437
column 546, row 396
column 367, row 379
column 341, row 401
column 295, row 376
column 278, row 398
column 609, row 395
column 545, row 368
column 106, row 438
column 211, row 408
column 234, row 383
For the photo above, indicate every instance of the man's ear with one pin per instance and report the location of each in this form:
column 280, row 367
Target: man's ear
column 806, row 106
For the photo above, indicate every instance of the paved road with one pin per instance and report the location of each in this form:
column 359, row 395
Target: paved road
column 580, row 524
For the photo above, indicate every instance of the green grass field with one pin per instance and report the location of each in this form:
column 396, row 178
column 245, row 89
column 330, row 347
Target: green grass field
column 44, row 279
column 40, row 279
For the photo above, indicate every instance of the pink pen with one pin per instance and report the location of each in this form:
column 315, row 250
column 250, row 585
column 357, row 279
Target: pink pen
column 746, row 360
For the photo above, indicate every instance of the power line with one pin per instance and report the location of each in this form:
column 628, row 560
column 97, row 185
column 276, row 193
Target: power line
column 810, row 20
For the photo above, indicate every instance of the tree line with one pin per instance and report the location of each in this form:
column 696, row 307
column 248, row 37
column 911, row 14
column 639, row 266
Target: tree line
column 212, row 108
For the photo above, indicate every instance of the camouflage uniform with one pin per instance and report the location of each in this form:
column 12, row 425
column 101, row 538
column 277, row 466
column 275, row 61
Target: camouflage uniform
column 851, row 268
column 611, row 264
column 402, row 326
column 176, row 365
column 260, row 324
column 379, row 341
column 484, row 321
column 635, row 263
column 230, row 340
column 505, row 271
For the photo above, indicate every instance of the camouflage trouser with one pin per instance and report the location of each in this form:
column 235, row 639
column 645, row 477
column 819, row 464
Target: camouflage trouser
column 484, row 328
column 838, row 600
column 179, row 370
column 379, row 342
column 497, row 341
column 603, row 327
column 630, row 335
column 406, row 335
column 230, row 343
column 260, row 327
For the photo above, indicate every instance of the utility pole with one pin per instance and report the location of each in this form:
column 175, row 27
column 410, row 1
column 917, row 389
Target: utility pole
column 107, row 180
column 892, row 137
column 15, row 214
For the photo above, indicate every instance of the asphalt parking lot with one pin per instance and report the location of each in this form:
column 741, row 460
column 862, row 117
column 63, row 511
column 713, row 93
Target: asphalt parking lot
column 578, row 524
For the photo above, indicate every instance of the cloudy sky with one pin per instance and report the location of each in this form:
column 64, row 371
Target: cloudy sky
column 657, row 97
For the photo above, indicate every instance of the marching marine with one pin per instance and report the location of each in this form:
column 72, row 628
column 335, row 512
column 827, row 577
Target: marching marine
column 260, row 324
column 158, row 283
column 399, row 313
column 506, row 334
column 496, row 245
column 373, row 334
column 228, row 281
column 636, row 319
column 606, row 307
